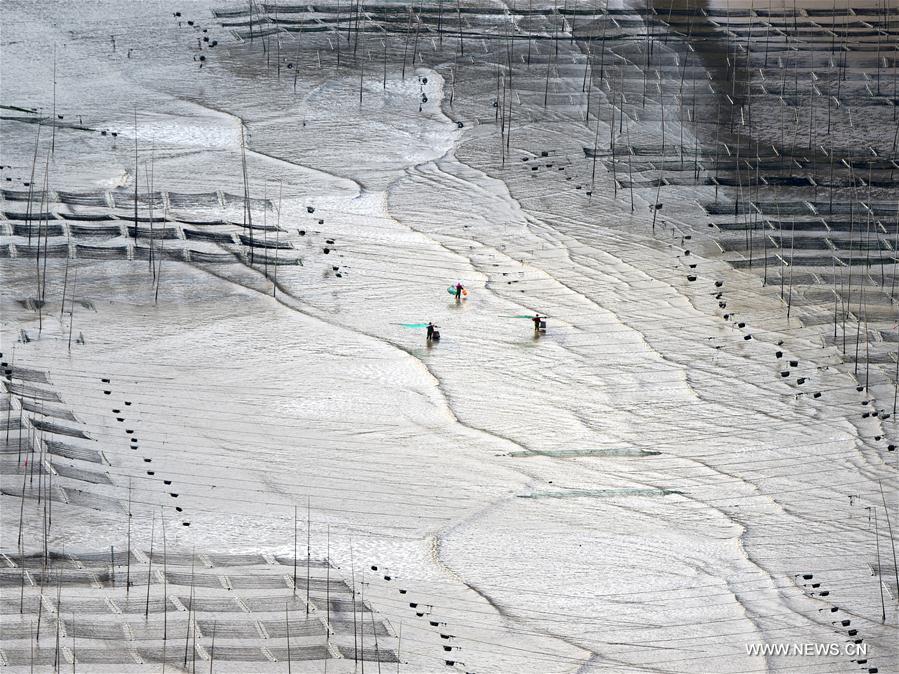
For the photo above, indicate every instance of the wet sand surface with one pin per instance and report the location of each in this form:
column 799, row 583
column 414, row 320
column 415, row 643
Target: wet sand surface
column 214, row 374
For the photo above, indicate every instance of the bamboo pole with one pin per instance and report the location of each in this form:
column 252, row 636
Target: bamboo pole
column 212, row 648
column 150, row 568
column 287, row 626
column 337, row 34
column 415, row 39
column 630, row 164
column 46, row 227
column 399, row 644
column 58, row 618
column 362, row 61
column 308, row 551
column 295, row 551
column 53, row 136
column 248, row 214
column 362, row 618
column 65, row 282
column 72, row 311
column 886, row 512
column 135, row 173
column 883, row 615
column 148, row 176
column 190, row 609
column 792, row 251
column 28, row 208
column 165, row 585
column 355, row 630
column 128, row 567
column 158, row 274
column 461, row 41
column 328, row 579
column 40, row 603
column 375, row 632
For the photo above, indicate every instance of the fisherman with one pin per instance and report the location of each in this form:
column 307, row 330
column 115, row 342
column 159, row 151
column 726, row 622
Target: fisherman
column 431, row 327
column 459, row 290
column 538, row 322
